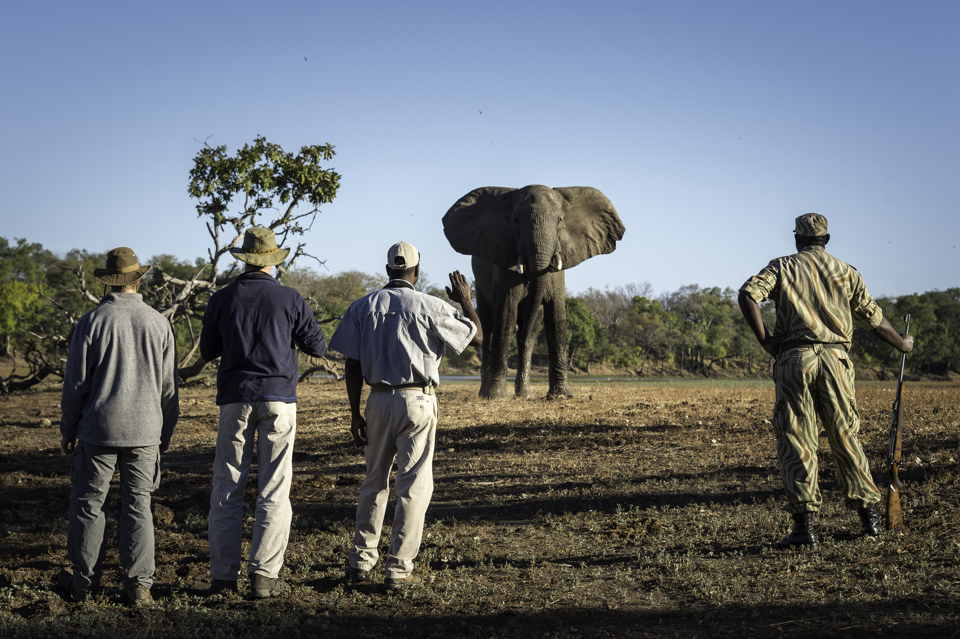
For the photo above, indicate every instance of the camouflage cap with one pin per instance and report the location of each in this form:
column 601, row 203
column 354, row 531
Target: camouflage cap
column 811, row 225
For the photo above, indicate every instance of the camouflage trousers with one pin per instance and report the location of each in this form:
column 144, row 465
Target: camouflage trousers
column 819, row 381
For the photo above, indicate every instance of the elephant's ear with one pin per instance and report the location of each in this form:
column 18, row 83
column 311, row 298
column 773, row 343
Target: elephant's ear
column 591, row 225
column 480, row 224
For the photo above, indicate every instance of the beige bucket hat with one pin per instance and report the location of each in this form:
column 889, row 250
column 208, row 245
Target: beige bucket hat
column 122, row 268
column 260, row 248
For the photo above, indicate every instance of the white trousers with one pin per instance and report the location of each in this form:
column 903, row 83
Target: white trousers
column 401, row 426
column 274, row 424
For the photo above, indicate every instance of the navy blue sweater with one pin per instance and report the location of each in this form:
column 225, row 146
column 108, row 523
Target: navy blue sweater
column 254, row 326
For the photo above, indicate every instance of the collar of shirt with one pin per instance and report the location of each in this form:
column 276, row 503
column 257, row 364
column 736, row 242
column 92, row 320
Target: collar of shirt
column 121, row 298
column 400, row 284
column 256, row 275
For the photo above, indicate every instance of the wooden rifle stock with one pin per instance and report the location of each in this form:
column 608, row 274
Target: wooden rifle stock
column 894, row 485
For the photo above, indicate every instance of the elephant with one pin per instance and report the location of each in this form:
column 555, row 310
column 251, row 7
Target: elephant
column 521, row 241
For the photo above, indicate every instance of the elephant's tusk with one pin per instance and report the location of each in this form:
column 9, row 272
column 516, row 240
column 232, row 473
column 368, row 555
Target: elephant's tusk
column 520, row 266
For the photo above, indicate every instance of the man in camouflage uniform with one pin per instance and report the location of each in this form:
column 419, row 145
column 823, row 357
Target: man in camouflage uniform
column 817, row 298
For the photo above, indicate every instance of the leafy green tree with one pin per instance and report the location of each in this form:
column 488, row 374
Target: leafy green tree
column 612, row 308
column 260, row 185
column 38, row 290
column 20, row 288
column 582, row 332
column 260, row 180
column 647, row 323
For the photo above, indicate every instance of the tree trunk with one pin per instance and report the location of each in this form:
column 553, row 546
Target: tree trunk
column 7, row 386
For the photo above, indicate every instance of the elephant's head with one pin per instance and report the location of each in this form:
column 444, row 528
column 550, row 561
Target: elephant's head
column 535, row 229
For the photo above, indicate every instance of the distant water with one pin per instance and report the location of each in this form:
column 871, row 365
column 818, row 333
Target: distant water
column 455, row 379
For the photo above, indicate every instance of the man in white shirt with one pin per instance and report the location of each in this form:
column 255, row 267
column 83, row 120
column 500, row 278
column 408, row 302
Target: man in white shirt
column 393, row 339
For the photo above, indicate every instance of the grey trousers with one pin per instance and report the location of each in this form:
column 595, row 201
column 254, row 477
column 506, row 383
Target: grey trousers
column 93, row 468
column 274, row 426
column 401, row 427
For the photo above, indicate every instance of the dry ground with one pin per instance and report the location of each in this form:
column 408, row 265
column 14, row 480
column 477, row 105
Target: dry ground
column 635, row 509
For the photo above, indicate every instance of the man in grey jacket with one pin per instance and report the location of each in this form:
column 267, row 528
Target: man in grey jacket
column 118, row 411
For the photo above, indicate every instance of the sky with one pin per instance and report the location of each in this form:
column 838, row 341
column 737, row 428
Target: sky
column 709, row 125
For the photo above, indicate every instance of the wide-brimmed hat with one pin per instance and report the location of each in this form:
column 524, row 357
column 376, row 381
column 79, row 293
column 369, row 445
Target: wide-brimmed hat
column 402, row 256
column 811, row 225
column 260, row 248
column 122, row 268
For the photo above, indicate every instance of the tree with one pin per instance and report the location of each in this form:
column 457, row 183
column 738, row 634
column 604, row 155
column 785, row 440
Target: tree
column 261, row 180
column 20, row 286
column 648, row 327
column 582, row 331
column 260, row 185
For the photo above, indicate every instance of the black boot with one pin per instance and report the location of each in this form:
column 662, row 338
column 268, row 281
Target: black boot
column 803, row 535
column 869, row 521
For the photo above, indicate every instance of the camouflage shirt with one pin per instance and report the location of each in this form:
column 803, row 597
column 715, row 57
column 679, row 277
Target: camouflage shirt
column 817, row 297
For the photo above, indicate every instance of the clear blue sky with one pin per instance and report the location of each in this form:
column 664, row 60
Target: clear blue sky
column 710, row 125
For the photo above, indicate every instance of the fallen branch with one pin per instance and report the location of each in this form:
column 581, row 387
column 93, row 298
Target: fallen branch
column 326, row 367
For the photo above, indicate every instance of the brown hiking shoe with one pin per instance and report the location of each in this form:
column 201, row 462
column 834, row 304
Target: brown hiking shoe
column 264, row 587
column 398, row 583
column 137, row 595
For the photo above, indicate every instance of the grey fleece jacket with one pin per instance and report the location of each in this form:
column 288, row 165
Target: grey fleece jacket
column 120, row 382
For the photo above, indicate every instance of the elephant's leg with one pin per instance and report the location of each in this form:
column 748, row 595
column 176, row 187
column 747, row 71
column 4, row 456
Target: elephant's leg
column 555, row 320
column 506, row 300
column 485, row 313
column 525, row 355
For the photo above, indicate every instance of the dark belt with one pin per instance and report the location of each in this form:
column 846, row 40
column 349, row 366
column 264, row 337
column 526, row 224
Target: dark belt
column 800, row 343
column 387, row 388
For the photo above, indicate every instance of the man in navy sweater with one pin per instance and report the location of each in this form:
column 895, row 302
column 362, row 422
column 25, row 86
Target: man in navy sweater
column 255, row 326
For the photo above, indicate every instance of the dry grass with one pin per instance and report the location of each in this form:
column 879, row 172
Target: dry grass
column 634, row 509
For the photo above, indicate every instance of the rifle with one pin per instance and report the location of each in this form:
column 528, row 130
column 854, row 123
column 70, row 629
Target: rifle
column 894, row 513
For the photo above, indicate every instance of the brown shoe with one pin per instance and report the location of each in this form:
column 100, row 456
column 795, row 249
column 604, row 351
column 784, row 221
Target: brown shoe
column 399, row 583
column 137, row 595
column 264, row 587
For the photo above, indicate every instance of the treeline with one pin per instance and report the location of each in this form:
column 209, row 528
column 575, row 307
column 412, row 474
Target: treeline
column 690, row 331
column 701, row 331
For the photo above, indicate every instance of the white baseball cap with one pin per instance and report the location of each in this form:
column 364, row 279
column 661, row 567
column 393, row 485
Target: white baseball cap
column 402, row 255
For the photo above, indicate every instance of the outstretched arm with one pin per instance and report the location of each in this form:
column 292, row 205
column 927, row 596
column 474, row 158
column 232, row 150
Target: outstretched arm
column 887, row 333
column 751, row 313
column 459, row 292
